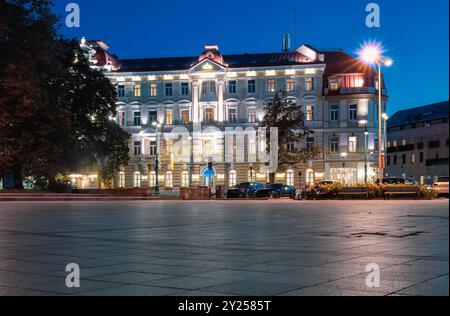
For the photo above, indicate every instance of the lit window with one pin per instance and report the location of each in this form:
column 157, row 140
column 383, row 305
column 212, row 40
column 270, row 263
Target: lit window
column 169, row 117
column 251, row 115
column 184, row 88
column 271, row 85
column 290, row 177
column 334, row 86
column 353, row 144
column 209, row 147
column 252, row 146
column 137, row 118
column 310, row 113
column 137, row 148
column 169, row 89
column 185, row 117
column 153, row 90
column 353, row 112
column 232, row 87
column 121, row 91
column 137, row 90
column 309, row 177
column 169, row 179
column 152, row 179
column 208, row 115
column 185, row 179
column 251, row 86
column 290, row 85
column 137, row 179
column 309, row 84
column 121, row 180
column 413, row 158
column 232, row 115
column 233, row 178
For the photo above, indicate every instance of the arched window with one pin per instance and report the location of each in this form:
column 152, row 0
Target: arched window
column 290, row 177
column 185, row 179
column 121, row 180
column 152, row 179
column 137, row 179
column 169, row 179
column 233, row 178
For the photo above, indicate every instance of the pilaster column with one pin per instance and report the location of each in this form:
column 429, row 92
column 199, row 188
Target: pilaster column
column 195, row 102
column 220, row 106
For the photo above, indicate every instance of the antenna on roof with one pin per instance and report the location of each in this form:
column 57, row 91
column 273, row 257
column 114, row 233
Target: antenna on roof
column 295, row 26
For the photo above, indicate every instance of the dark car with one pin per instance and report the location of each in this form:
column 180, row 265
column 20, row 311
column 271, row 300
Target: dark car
column 244, row 190
column 281, row 190
column 399, row 180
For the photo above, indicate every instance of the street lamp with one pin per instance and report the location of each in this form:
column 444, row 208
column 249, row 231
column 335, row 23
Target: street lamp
column 366, row 136
column 385, row 120
column 157, row 126
column 373, row 54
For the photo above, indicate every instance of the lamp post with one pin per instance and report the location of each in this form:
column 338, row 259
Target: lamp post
column 157, row 126
column 366, row 136
column 373, row 54
column 385, row 119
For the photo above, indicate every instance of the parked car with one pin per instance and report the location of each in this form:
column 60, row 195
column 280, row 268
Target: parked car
column 399, row 180
column 441, row 186
column 281, row 190
column 244, row 190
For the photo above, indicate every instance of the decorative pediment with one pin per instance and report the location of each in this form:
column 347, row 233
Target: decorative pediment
column 207, row 65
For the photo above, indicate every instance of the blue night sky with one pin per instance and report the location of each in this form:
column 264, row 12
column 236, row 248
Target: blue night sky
column 413, row 32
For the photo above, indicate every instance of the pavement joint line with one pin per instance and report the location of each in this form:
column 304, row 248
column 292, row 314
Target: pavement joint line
column 422, row 282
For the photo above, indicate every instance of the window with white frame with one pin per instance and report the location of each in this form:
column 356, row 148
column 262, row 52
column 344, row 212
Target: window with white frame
column 334, row 112
column 185, row 117
column 232, row 87
column 169, row 117
column 169, row 179
column 353, row 112
column 232, row 178
column 185, row 88
column 208, row 115
column 232, row 115
column 153, row 116
column 252, row 146
column 137, row 90
column 352, row 144
column 121, row 91
column 121, row 180
column 290, row 177
column 121, row 119
column 137, row 148
column 270, row 85
column 251, row 86
column 209, row 87
column 152, row 149
column 290, row 147
column 153, row 90
column 137, row 118
column 137, row 179
column 169, row 89
column 334, row 144
column 251, row 115
column 185, row 179
column 290, row 85
column 309, row 84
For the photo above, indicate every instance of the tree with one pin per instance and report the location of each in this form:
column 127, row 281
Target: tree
column 54, row 109
column 289, row 118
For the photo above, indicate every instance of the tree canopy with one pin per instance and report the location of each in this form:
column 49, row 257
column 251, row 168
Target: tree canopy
column 55, row 110
column 289, row 118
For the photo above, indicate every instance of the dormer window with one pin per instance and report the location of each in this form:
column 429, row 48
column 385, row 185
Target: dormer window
column 334, row 86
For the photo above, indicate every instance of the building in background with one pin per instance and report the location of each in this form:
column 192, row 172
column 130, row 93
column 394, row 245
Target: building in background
column 337, row 92
column 418, row 143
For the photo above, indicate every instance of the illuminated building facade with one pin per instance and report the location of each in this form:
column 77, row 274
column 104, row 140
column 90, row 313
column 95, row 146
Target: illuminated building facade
column 337, row 93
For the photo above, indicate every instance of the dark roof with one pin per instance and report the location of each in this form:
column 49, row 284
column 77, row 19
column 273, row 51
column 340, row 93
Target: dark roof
column 420, row 114
column 339, row 62
column 233, row 61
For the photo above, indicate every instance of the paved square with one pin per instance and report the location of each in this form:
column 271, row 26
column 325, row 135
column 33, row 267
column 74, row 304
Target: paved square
column 212, row 248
